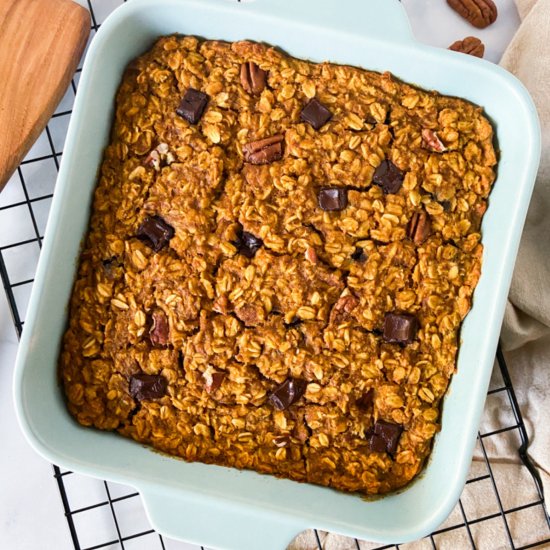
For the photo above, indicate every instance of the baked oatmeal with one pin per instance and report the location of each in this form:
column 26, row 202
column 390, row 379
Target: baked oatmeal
column 279, row 259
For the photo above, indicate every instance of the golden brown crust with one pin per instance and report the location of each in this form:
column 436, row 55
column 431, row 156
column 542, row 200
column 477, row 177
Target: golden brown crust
column 310, row 302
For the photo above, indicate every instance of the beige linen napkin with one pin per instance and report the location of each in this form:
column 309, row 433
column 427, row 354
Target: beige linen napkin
column 526, row 327
column 526, row 339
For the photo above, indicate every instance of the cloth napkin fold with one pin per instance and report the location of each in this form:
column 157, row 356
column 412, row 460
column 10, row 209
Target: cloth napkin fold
column 525, row 338
column 526, row 327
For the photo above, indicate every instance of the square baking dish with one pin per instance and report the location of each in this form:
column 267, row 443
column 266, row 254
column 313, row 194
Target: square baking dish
column 221, row 507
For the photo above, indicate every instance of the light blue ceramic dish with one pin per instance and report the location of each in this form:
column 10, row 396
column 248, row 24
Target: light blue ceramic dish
column 220, row 507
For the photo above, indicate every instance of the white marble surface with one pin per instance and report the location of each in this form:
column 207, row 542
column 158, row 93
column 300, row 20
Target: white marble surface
column 31, row 513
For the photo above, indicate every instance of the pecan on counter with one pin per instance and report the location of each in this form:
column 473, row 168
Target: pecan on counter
column 469, row 45
column 480, row 13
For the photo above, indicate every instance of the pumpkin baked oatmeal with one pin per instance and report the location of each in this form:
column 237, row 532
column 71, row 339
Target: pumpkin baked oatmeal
column 279, row 259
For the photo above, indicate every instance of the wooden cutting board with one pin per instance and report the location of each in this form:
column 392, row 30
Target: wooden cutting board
column 41, row 42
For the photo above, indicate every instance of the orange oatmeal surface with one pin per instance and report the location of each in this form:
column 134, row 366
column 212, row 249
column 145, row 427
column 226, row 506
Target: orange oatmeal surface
column 279, row 259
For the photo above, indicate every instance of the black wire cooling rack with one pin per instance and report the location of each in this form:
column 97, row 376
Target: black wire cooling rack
column 107, row 515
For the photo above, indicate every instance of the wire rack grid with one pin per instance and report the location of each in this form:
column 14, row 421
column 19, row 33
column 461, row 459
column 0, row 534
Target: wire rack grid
column 110, row 516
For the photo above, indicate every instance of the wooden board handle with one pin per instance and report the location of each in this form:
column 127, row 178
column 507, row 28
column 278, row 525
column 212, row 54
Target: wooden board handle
column 41, row 42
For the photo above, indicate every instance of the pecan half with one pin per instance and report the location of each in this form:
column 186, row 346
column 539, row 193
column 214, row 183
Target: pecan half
column 264, row 151
column 253, row 78
column 470, row 45
column 160, row 329
column 213, row 379
column 480, row 13
column 221, row 305
column 161, row 154
column 249, row 314
column 431, row 141
column 419, row 227
column 311, row 255
column 153, row 160
column 341, row 310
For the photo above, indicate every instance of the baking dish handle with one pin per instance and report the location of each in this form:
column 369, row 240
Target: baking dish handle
column 386, row 19
column 217, row 524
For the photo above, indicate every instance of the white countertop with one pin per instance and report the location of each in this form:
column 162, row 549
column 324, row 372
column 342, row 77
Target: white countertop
column 31, row 512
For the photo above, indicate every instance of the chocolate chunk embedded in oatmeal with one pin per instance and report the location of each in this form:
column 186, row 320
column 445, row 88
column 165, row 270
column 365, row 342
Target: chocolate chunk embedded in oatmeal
column 306, row 251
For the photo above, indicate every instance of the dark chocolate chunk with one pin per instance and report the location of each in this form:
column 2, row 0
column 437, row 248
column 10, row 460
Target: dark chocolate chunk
column 359, row 255
column 288, row 393
column 377, row 444
column 192, row 105
column 332, row 199
column 147, row 386
column 390, row 434
column 400, row 328
column 447, row 206
column 155, row 232
column 264, row 151
column 316, row 114
column 366, row 400
column 388, row 176
column 253, row 78
column 248, row 244
column 160, row 329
